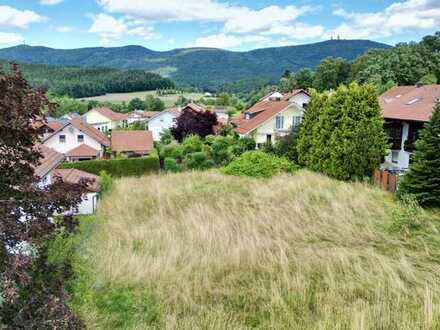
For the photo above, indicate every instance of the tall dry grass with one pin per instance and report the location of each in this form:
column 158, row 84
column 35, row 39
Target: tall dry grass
column 292, row 252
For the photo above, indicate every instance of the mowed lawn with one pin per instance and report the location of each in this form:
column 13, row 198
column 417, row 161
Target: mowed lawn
column 209, row 251
column 169, row 100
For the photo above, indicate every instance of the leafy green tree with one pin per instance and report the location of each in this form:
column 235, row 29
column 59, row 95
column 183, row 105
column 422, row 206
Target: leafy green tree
column 243, row 144
column 153, row 103
column 288, row 84
column 67, row 105
column 330, row 73
column 346, row 140
column 305, row 78
column 422, row 182
column 136, row 104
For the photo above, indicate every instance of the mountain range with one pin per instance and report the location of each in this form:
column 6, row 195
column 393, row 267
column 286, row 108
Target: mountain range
column 207, row 68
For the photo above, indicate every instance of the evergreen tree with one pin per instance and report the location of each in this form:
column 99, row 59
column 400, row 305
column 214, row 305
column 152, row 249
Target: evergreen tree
column 342, row 134
column 423, row 178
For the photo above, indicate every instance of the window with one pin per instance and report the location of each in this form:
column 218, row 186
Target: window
column 297, row 121
column 62, row 139
column 395, row 157
column 80, row 138
column 268, row 139
column 279, row 122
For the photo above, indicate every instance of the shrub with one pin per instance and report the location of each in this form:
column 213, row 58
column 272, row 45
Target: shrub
column 243, row 144
column 198, row 161
column 172, row 150
column 119, row 167
column 192, row 143
column 192, row 122
column 106, row 182
column 259, row 164
column 342, row 133
column 170, row 164
column 221, row 150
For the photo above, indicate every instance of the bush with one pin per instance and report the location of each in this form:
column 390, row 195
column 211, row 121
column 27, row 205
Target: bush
column 192, row 143
column 170, row 164
column 221, row 150
column 259, row 164
column 172, row 150
column 245, row 143
column 342, row 133
column 198, row 161
column 106, row 182
column 119, row 167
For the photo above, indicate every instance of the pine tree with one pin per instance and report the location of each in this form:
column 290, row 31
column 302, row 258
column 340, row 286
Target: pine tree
column 422, row 181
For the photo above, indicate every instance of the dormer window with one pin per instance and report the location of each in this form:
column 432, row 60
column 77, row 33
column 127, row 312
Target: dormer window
column 247, row 116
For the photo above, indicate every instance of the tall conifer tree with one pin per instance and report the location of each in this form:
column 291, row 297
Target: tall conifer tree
column 423, row 178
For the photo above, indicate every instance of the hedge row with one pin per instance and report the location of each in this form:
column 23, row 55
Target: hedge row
column 118, row 167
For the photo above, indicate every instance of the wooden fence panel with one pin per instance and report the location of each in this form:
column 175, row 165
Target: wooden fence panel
column 385, row 180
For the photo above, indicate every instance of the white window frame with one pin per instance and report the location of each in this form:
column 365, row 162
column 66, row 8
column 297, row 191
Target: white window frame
column 62, row 140
column 296, row 121
column 279, row 122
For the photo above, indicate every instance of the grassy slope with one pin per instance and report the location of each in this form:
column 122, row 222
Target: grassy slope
column 203, row 250
column 169, row 100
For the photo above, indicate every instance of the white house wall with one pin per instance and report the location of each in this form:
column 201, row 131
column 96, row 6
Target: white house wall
column 88, row 204
column 269, row 127
column 158, row 124
column 99, row 121
column 71, row 134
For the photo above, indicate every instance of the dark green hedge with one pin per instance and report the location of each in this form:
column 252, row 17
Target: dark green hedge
column 118, row 167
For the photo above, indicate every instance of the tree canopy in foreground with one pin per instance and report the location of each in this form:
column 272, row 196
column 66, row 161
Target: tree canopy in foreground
column 32, row 294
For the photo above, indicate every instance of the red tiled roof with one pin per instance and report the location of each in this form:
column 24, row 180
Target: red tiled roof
column 91, row 131
column 264, row 109
column 50, row 159
column 174, row 111
column 410, row 102
column 55, row 125
column 85, row 128
column 74, row 176
column 110, row 114
column 83, row 150
column 132, row 141
column 287, row 96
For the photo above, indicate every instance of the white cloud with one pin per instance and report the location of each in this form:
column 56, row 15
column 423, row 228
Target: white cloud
column 228, row 41
column 50, row 2
column 297, row 31
column 10, row 39
column 65, row 29
column 110, row 28
column 12, row 17
column 396, row 18
column 236, row 19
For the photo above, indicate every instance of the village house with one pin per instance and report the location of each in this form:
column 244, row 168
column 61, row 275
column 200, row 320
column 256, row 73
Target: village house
column 105, row 119
column 47, row 173
column 140, row 116
column 275, row 115
column 406, row 109
column 162, row 121
column 78, row 141
column 89, row 201
column 132, row 143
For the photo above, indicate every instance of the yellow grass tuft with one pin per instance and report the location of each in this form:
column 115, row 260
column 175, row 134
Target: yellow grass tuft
column 292, row 252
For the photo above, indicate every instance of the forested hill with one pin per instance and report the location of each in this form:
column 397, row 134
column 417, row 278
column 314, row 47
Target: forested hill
column 201, row 67
column 89, row 81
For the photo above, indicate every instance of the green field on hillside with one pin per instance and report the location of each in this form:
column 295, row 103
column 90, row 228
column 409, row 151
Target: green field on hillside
column 204, row 250
column 169, row 100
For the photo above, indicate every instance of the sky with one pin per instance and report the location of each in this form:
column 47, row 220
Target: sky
column 236, row 24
